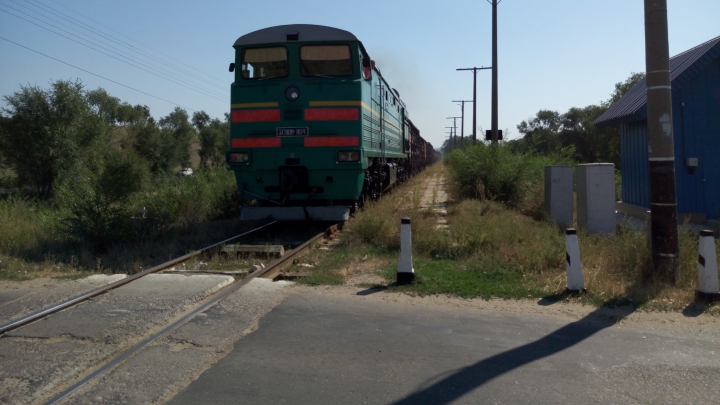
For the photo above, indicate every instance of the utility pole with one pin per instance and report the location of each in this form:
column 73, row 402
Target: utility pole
column 451, row 136
column 475, row 69
column 454, row 126
column 494, row 121
column 661, row 154
column 462, row 120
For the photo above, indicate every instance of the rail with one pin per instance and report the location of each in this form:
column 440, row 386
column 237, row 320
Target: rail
column 85, row 296
column 271, row 271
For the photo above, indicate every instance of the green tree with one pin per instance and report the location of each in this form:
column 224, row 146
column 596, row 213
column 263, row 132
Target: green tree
column 47, row 131
column 166, row 145
column 540, row 133
column 96, row 209
column 214, row 135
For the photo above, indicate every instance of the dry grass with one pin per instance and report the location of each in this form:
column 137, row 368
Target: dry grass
column 614, row 268
column 486, row 237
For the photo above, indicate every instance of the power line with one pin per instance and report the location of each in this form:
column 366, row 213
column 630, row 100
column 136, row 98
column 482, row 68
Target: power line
column 194, row 88
column 95, row 74
column 118, row 32
column 93, row 30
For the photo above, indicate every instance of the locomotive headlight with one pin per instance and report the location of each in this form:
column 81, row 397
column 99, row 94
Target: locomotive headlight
column 238, row 157
column 349, row 156
column 292, row 93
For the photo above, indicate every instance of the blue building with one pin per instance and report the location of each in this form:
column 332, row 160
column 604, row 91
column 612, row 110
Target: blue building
column 695, row 77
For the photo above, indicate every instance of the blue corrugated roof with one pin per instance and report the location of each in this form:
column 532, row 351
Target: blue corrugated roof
column 683, row 67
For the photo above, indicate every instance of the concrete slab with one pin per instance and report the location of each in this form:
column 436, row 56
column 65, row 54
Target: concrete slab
column 20, row 298
column 44, row 356
column 159, row 372
column 128, row 310
column 31, row 367
column 328, row 349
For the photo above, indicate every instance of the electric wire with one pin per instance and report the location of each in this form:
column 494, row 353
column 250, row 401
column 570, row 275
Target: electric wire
column 95, row 74
column 107, row 39
column 131, row 39
column 121, row 43
column 201, row 91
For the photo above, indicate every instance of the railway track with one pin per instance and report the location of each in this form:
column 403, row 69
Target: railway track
column 35, row 316
column 272, row 271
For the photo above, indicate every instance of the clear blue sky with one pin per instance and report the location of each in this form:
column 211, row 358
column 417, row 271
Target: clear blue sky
column 553, row 54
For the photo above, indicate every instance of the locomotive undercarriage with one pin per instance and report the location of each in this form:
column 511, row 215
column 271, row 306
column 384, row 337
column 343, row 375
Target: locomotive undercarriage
column 380, row 178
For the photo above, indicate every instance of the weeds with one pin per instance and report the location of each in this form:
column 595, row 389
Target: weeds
column 495, row 172
column 492, row 251
column 86, row 224
column 416, row 196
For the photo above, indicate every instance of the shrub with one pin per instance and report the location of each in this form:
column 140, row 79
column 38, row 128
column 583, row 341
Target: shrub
column 495, row 172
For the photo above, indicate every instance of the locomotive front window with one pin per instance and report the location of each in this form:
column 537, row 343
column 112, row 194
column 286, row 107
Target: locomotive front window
column 265, row 63
column 325, row 60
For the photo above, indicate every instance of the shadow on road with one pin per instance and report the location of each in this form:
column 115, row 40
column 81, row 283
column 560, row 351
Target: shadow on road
column 376, row 288
column 469, row 378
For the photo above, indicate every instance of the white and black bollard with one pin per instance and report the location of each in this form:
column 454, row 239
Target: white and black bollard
column 575, row 281
column 405, row 271
column 708, row 289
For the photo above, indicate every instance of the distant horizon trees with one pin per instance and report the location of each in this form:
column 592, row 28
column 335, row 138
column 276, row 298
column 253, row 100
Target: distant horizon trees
column 550, row 132
column 571, row 133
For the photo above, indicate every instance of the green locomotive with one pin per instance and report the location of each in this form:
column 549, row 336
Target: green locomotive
column 315, row 128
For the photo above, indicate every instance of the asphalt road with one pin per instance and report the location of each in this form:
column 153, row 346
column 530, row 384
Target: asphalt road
column 316, row 348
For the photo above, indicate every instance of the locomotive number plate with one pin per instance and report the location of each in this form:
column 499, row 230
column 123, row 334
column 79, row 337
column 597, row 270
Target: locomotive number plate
column 300, row 131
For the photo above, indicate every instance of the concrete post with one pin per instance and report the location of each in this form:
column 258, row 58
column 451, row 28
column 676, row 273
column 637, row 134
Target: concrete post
column 575, row 280
column 405, row 271
column 708, row 289
column 559, row 194
column 596, row 197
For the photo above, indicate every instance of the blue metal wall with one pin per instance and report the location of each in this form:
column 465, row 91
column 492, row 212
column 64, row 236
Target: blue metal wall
column 634, row 157
column 696, row 125
column 696, row 119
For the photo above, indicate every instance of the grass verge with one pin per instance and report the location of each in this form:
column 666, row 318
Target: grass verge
column 490, row 251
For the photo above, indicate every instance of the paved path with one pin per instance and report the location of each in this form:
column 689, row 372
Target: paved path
column 353, row 348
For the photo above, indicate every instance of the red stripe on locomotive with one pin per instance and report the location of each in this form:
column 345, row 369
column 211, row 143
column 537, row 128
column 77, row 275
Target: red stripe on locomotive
column 332, row 114
column 256, row 143
column 255, row 115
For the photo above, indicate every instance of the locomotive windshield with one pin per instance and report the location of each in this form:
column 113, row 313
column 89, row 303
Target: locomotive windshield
column 265, row 63
column 325, row 60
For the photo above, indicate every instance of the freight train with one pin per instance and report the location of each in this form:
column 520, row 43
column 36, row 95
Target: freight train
column 315, row 128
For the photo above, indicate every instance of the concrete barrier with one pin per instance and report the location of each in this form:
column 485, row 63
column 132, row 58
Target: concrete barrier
column 405, row 271
column 559, row 194
column 708, row 289
column 575, row 280
column 596, row 197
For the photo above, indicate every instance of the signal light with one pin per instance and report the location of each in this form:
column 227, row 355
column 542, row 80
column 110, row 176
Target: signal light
column 349, row 156
column 238, row 158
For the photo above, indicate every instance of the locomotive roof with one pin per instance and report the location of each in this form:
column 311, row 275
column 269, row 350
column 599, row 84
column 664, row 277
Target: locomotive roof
column 305, row 32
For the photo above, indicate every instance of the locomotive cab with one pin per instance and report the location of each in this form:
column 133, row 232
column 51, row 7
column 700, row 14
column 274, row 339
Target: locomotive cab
column 315, row 129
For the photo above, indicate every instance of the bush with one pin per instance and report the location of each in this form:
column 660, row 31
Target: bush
column 187, row 201
column 495, row 172
column 94, row 205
